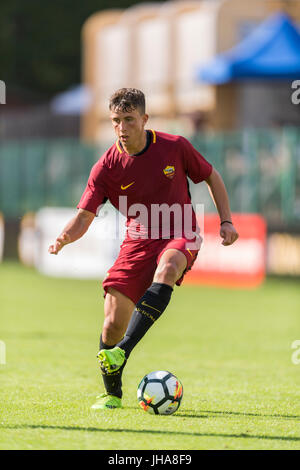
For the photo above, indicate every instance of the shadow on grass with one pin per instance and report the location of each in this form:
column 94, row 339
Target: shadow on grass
column 150, row 431
column 210, row 414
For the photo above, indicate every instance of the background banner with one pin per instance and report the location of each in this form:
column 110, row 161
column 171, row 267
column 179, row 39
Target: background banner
column 239, row 265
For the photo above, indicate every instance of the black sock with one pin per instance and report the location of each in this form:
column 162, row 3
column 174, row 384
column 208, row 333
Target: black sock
column 112, row 382
column 148, row 309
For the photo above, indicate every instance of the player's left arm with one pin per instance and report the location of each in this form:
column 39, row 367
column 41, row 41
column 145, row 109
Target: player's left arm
column 220, row 197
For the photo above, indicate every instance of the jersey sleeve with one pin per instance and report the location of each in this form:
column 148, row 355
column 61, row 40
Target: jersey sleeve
column 94, row 194
column 196, row 166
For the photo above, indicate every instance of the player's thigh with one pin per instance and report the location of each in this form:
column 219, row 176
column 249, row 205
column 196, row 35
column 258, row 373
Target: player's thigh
column 118, row 309
column 171, row 265
column 133, row 270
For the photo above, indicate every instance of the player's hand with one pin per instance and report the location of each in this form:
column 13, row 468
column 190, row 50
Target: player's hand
column 228, row 233
column 59, row 243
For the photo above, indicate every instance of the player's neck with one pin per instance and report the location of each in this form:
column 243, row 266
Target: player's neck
column 137, row 146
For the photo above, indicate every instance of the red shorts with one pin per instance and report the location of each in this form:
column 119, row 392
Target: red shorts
column 133, row 270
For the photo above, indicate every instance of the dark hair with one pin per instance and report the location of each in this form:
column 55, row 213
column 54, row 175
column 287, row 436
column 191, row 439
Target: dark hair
column 127, row 99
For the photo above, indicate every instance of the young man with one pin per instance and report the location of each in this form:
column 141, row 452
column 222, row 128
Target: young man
column 143, row 172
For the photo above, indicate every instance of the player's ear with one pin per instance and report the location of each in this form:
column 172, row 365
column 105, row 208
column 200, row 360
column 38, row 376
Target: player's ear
column 145, row 119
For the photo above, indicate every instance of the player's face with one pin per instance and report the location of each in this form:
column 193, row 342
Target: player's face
column 129, row 126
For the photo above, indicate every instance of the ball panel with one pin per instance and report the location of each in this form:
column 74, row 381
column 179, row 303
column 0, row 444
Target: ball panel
column 157, row 374
column 146, row 406
column 141, row 388
column 154, row 391
column 168, row 407
column 175, row 388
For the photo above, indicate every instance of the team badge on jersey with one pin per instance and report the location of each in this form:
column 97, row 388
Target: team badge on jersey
column 169, row 171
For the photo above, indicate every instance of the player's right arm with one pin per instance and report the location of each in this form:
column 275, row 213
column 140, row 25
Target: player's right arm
column 91, row 200
column 74, row 230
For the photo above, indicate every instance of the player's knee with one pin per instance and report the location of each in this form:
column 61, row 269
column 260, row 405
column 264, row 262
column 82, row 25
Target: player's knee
column 167, row 272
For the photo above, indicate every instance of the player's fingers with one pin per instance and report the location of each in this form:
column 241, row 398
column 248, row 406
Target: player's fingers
column 52, row 250
column 60, row 240
column 57, row 246
column 226, row 237
column 230, row 238
column 236, row 236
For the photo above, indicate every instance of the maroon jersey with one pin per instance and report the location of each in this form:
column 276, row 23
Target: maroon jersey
column 157, row 176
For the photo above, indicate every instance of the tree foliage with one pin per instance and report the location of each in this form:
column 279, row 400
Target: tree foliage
column 40, row 42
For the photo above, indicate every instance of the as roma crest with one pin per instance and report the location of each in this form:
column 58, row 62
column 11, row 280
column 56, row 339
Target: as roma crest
column 169, row 171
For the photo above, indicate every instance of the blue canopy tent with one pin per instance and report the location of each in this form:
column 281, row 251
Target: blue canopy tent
column 75, row 100
column 271, row 51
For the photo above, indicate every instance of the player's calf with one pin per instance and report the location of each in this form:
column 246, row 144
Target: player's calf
column 148, row 309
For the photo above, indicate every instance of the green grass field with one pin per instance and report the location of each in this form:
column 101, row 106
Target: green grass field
column 231, row 349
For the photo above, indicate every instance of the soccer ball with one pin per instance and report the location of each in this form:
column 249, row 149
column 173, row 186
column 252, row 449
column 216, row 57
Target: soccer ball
column 160, row 393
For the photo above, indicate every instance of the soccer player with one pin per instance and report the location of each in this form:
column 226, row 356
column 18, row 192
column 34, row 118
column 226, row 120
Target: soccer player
column 143, row 172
